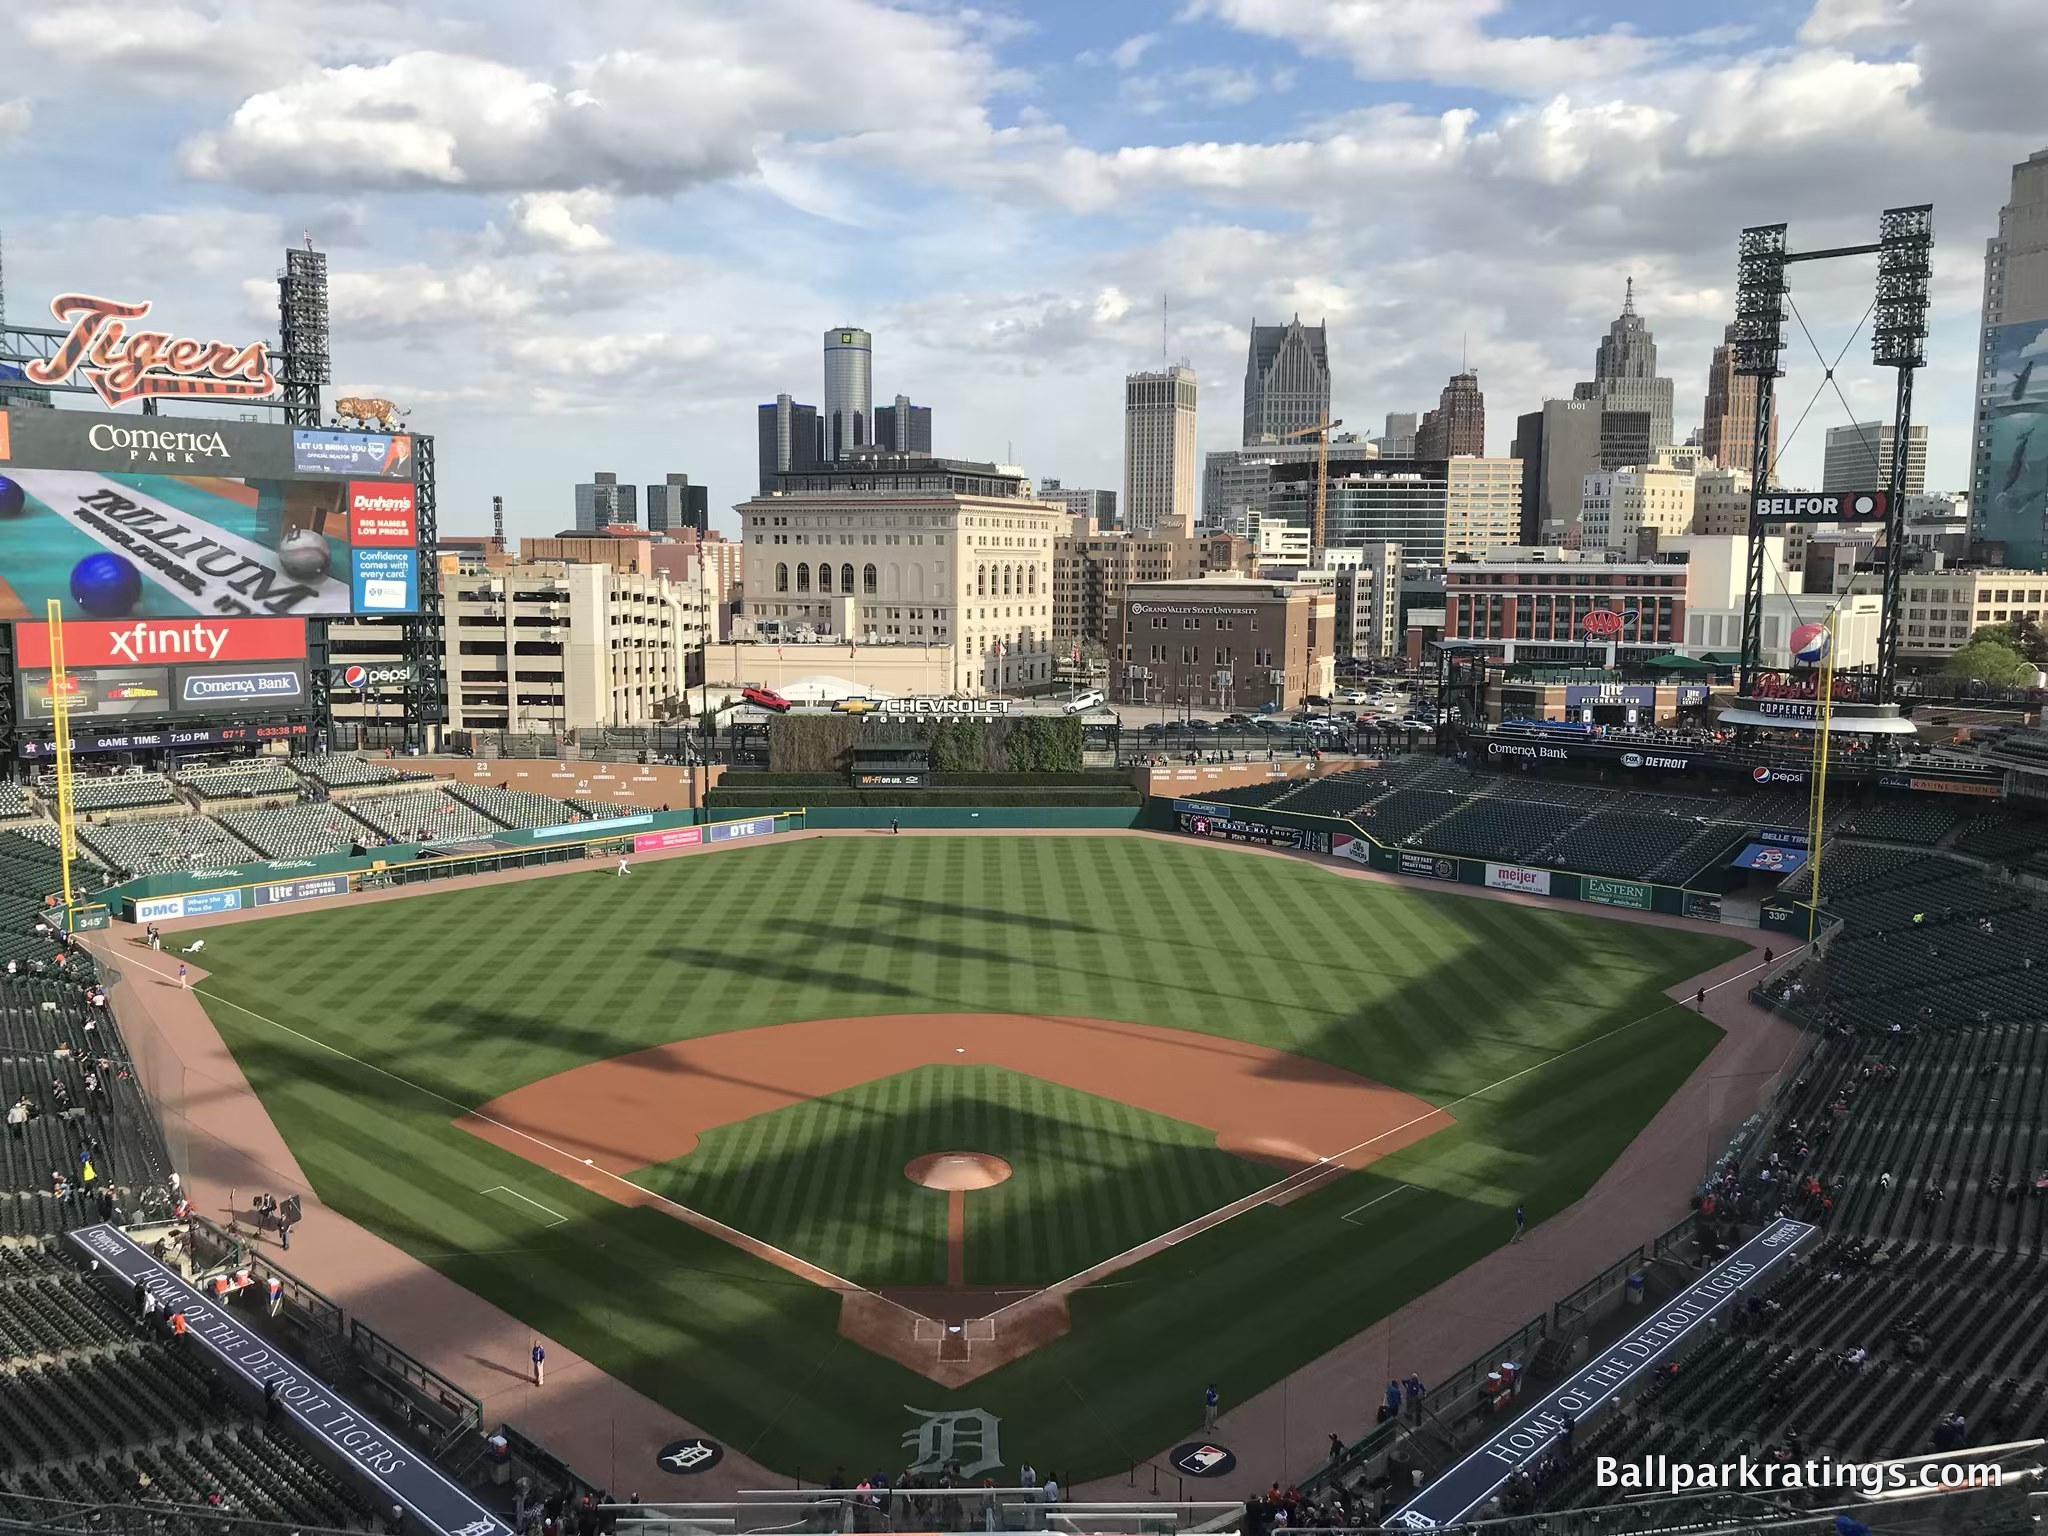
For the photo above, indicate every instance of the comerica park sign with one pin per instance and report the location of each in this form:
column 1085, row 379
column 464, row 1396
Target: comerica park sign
column 1819, row 506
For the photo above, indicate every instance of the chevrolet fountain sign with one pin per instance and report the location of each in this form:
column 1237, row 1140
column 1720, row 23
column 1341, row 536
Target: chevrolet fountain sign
column 975, row 708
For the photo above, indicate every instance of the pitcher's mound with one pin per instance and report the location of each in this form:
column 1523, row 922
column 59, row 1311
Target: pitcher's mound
column 956, row 1170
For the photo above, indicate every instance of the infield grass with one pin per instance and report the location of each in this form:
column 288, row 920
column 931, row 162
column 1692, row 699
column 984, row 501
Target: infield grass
column 469, row 994
column 1089, row 1177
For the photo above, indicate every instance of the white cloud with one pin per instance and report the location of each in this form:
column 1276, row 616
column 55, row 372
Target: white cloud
column 562, row 220
column 1443, row 41
column 14, row 120
column 685, row 96
column 1201, row 85
column 1126, row 54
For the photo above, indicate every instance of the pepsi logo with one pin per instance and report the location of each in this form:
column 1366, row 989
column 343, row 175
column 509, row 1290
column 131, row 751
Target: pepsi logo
column 1761, row 775
column 355, row 677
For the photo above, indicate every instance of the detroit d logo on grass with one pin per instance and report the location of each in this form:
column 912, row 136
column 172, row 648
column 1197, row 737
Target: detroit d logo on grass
column 971, row 1437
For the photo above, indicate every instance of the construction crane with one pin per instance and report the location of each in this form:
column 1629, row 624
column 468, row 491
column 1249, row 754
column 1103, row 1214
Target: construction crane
column 1323, row 429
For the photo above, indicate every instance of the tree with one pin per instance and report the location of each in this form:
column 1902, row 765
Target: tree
column 1991, row 662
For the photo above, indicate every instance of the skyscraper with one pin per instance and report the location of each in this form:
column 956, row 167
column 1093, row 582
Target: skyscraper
column 1159, row 452
column 602, row 501
column 1625, row 372
column 1558, row 446
column 1286, row 379
column 2009, row 449
column 1399, row 441
column 792, row 440
column 1728, row 430
column 849, row 408
column 675, row 504
column 1859, row 458
column 1457, row 425
column 903, row 427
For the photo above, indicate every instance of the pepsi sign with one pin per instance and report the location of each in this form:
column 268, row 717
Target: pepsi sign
column 382, row 674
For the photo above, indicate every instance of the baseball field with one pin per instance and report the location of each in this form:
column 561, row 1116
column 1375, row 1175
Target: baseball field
column 670, row 1118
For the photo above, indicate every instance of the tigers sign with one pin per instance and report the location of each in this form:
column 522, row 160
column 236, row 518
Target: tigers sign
column 123, row 365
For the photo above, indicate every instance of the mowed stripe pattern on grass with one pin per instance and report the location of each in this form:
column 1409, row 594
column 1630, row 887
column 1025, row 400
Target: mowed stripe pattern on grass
column 825, row 1179
column 474, row 993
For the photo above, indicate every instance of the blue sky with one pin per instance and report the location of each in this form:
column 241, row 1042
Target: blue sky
column 579, row 236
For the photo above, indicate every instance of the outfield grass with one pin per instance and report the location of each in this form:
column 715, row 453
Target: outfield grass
column 1089, row 1177
column 469, row 994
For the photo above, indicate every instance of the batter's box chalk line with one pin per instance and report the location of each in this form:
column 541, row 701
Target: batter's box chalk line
column 503, row 1189
column 976, row 1330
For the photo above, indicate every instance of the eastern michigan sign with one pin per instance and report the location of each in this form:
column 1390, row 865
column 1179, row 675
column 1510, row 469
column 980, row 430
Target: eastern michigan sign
column 1819, row 506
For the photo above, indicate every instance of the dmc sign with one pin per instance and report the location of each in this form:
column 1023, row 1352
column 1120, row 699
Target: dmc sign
column 123, row 365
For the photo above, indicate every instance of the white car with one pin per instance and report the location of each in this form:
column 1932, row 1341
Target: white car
column 1353, row 696
column 1081, row 703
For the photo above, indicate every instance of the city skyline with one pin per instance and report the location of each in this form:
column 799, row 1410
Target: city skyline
column 1491, row 175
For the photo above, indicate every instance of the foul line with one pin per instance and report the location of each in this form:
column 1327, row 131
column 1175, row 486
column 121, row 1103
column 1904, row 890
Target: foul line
column 506, row 1189
column 1375, row 1200
column 1321, row 1166
column 744, row 1240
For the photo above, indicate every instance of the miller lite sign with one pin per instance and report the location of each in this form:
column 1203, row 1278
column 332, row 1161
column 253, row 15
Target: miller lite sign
column 123, row 365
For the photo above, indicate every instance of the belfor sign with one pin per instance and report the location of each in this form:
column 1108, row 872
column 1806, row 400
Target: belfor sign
column 123, row 365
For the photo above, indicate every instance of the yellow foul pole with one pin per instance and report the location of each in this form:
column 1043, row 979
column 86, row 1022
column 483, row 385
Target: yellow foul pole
column 60, row 717
column 1817, row 787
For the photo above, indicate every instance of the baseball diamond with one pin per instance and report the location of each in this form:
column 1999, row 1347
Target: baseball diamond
column 702, row 1089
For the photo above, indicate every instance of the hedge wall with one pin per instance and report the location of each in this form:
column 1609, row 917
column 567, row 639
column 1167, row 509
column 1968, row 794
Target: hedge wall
column 823, row 744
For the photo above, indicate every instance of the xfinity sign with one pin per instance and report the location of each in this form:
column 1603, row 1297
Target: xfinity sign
column 1819, row 506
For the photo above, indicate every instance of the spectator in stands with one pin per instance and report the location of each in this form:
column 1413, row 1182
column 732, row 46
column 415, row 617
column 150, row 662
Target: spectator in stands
column 18, row 1117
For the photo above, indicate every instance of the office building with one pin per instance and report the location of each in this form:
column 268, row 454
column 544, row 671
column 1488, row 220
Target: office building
column 555, row 645
column 1159, row 452
column 1626, row 438
column 2009, row 467
column 1728, row 429
column 1091, row 572
column 791, row 439
column 1482, row 506
column 1944, row 608
column 1096, row 508
column 903, row 427
column 946, row 556
column 1859, row 458
column 1367, row 583
column 603, row 503
column 1231, row 643
column 1457, row 425
column 1538, row 595
column 1618, row 506
column 1397, row 441
column 1559, row 446
column 1286, row 380
column 1720, row 501
column 848, row 412
column 1625, row 375
column 1940, row 525
column 1235, row 481
column 675, row 506
column 1379, row 501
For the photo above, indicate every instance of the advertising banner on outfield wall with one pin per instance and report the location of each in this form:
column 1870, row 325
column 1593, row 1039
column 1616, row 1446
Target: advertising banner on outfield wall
column 725, row 831
column 1702, row 907
column 674, row 837
column 159, row 909
column 1236, row 830
column 1430, row 866
column 1632, row 894
column 1358, row 849
column 301, row 890
column 1513, row 877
